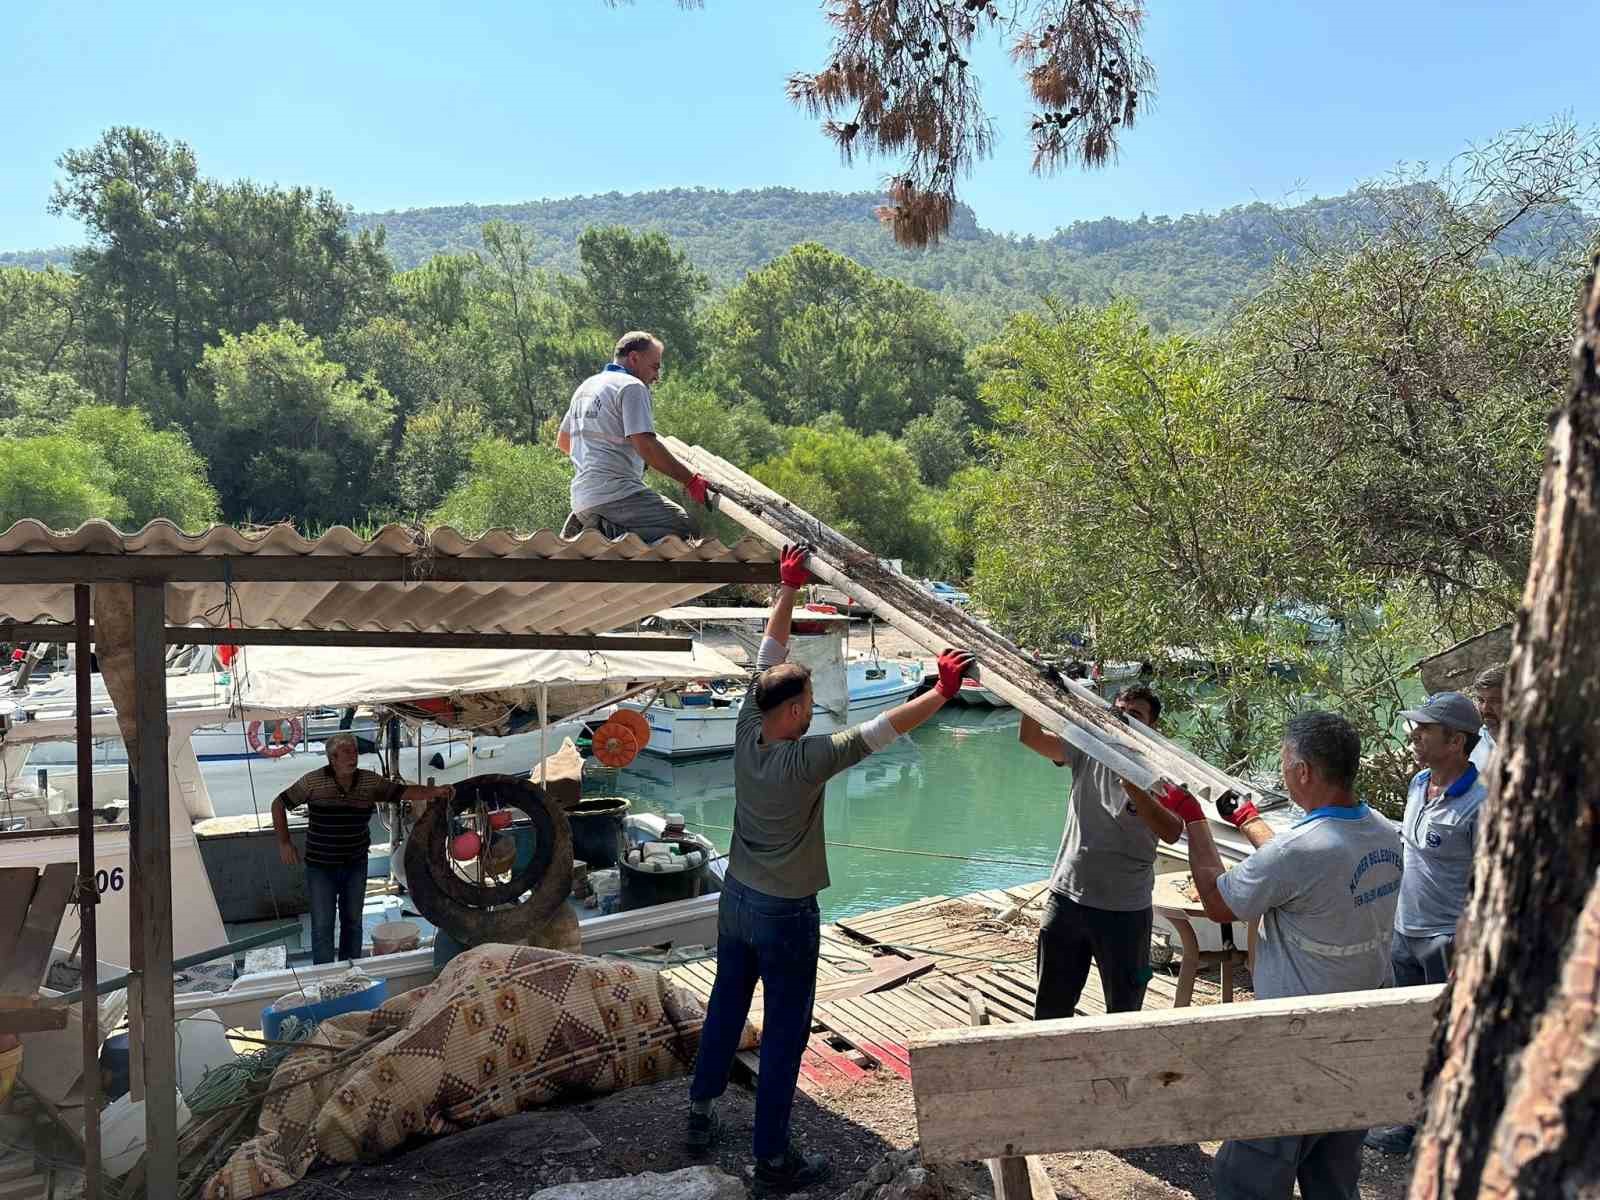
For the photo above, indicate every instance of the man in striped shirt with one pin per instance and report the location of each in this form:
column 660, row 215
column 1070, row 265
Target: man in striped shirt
column 339, row 800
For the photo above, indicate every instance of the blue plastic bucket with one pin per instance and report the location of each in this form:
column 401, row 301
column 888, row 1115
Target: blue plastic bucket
column 114, row 1062
column 368, row 998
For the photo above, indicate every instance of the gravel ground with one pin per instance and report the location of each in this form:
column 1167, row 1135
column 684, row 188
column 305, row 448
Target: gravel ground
column 641, row 1130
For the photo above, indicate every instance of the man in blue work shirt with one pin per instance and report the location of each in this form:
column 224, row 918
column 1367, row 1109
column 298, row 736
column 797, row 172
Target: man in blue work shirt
column 609, row 431
column 1325, row 892
column 1440, row 832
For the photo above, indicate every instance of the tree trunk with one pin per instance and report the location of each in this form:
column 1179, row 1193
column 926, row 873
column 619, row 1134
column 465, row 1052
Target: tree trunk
column 1514, row 1078
column 124, row 342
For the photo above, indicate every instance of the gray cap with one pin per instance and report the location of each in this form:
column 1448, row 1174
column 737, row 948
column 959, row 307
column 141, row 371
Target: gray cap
column 1450, row 709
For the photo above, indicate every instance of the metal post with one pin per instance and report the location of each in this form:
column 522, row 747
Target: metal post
column 152, row 889
column 88, row 897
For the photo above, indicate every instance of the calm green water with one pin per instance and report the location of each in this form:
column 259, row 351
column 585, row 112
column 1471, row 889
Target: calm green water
column 962, row 784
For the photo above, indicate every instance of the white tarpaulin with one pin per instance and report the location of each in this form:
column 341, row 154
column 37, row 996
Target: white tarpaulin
column 296, row 678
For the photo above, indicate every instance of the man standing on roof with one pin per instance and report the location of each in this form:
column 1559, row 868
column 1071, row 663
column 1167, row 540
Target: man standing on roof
column 609, row 431
column 1099, row 904
column 768, row 927
column 1440, row 831
column 1325, row 892
column 339, row 800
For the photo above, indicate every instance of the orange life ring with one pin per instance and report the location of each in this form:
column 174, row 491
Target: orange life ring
column 273, row 739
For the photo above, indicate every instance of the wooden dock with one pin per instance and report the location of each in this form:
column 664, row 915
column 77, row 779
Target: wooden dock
column 886, row 974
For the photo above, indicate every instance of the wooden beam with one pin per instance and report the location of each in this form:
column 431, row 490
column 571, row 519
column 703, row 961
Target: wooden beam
column 193, row 635
column 1018, row 1177
column 185, row 635
column 88, row 894
column 21, row 973
column 32, row 1020
column 1261, row 1069
column 152, row 889
column 369, row 568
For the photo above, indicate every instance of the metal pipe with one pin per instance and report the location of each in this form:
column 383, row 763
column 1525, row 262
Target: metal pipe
column 265, row 938
column 88, row 897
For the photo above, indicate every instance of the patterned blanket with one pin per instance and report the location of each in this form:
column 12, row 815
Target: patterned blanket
column 503, row 1029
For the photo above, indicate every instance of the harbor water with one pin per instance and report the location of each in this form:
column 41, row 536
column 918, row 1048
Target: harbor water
column 962, row 786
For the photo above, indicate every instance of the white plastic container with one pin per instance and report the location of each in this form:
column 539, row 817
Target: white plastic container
column 122, row 1133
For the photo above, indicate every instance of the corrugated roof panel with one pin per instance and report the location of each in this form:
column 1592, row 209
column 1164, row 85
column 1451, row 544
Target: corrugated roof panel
column 422, row 604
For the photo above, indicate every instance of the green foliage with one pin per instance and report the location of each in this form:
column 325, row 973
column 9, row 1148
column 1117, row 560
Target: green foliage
column 55, row 480
column 523, row 488
column 290, row 436
column 37, row 405
column 692, row 412
column 436, row 452
column 640, row 281
column 866, row 487
column 939, row 442
column 814, row 333
column 154, row 473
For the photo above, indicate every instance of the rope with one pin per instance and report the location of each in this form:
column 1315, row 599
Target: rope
column 973, row 858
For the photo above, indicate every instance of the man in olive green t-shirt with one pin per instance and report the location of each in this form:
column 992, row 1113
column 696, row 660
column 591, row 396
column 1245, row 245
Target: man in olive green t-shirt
column 768, row 922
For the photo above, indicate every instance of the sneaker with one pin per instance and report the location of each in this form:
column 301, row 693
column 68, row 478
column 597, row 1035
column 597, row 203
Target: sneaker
column 704, row 1130
column 1391, row 1139
column 791, row 1173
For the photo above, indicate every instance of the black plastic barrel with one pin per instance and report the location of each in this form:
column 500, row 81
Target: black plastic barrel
column 597, row 833
column 642, row 888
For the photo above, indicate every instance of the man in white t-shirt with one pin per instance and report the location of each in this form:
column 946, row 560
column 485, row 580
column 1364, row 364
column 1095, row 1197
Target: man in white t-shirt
column 609, row 431
column 1488, row 693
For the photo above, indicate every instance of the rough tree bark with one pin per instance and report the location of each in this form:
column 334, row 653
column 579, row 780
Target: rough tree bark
column 1514, row 1104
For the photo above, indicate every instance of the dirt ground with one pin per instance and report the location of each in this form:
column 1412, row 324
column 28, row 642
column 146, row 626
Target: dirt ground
column 641, row 1130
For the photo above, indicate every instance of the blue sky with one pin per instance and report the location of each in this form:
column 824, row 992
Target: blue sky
column 412, row 103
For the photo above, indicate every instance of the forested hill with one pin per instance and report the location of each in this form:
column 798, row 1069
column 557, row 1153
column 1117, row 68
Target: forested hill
column 1184, row 272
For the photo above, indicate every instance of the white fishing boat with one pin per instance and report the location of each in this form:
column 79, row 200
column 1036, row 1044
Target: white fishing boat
column 699, row 721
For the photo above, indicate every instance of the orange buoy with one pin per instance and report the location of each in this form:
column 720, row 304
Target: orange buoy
column 500, row 818
column 614, row 745
column 635, row 723
column 465, row 846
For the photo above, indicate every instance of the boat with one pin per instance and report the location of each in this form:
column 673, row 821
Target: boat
column 699, row 720
column 561, row 684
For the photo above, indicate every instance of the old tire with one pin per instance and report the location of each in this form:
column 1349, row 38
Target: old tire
column 462, row 909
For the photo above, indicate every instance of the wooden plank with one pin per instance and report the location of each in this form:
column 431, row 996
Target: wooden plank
column 1014, row 1178
column 32, row 1020
column 369, row 568
column 152, row 888
column 16, row 891
column 1260, row 1069
column 32, row 949
column 184, row 635
column 862, row 1029
column 894, row 971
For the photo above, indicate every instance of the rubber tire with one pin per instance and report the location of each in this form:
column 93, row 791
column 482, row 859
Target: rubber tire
column 461, row 909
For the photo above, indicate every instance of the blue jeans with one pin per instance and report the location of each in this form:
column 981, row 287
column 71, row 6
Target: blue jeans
column 346, row 888
column 774, row 940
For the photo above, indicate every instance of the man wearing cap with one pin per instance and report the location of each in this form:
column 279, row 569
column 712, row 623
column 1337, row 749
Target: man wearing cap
column 610, row 433
column 1440, row 832
column 1325, row 893
column 768, row 927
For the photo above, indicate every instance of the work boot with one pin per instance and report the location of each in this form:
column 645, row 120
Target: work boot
column 704, row 1130
column 790, row 1172
column 1391, row 1139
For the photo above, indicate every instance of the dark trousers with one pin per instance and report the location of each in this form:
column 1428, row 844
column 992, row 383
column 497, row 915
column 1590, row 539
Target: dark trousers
column 774, row 940
column 1326, row 1165
column 1070, row 934
column 344, row 888
column 1419, row 960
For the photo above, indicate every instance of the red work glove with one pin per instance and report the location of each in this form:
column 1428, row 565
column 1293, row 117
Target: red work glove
column 697, row 487
column 1178, row 800
column 953, row 664
column 1237, row 814
column 792, row 571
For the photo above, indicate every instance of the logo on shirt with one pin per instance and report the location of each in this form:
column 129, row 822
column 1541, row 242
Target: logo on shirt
column 1380, row 857
column 1434, row 840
